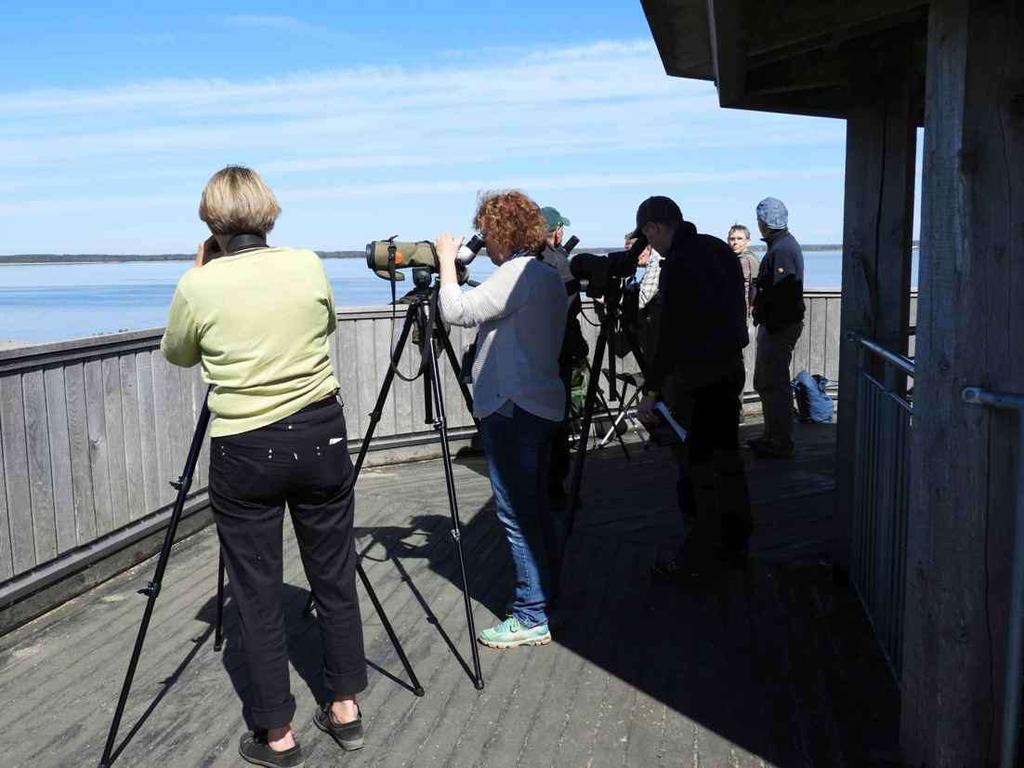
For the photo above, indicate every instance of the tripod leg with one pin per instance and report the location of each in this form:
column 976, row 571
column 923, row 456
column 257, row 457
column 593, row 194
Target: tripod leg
column 375, row 414
column 588, row 415
column 622, row 443
column 623, row 415
column 218, row 635
column 385, row 388
column 446, row 342
column 417, row 688
column 152, row 590
column 441, row 425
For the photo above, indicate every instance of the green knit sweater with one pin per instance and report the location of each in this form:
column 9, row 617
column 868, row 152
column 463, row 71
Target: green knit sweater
column 259, row 322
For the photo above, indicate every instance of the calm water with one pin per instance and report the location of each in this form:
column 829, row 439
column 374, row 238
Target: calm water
column 50, row 302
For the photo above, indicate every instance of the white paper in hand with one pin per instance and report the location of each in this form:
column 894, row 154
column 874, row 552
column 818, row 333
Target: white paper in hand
column 661, row 408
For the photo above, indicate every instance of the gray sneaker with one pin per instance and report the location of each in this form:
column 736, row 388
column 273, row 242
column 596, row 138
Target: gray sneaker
column 348, row 735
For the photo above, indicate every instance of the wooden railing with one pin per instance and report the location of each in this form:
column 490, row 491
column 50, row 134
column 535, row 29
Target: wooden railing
column 92, row 430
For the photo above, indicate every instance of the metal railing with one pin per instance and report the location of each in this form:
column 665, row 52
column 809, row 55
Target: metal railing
column 1015, row 626
column 881, row 487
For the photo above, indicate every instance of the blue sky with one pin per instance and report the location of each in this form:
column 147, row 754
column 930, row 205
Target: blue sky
column 371, row 121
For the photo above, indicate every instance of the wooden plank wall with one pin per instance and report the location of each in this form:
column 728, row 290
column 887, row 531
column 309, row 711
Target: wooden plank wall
column 91, row 431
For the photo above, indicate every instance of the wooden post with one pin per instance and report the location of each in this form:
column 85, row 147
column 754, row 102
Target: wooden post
column 881, row 142
column 970, row 332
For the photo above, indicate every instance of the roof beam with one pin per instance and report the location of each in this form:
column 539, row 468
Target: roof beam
column 728, row 50
column 779, row 24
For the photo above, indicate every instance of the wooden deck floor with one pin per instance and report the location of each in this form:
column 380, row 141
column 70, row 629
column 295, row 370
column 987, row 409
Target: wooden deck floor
column 771, row 666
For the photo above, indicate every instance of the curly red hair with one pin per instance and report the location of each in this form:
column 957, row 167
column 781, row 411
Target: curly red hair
column 511, row 221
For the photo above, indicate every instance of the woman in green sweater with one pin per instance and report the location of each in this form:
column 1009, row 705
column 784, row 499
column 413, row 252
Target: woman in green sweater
column 258, row 319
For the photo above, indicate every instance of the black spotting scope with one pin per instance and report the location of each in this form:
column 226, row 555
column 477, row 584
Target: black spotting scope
column 595, row 271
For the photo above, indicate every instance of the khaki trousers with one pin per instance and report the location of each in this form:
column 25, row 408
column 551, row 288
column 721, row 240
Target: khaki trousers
column 771, row 380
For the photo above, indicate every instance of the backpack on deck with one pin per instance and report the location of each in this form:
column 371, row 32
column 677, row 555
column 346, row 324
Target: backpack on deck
column 813, row 403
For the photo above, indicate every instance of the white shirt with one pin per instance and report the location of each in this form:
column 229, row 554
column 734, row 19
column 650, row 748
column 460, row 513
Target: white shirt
column 649, row 282
column 521, row 313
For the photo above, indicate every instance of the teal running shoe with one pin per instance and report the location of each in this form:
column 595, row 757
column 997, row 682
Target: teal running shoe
column 510, row 634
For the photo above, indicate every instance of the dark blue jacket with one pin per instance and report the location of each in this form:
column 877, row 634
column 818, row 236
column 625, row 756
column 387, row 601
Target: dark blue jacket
column 779, row 301
column 704, row 315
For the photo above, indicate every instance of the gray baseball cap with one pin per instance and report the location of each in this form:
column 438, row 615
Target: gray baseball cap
column 773, row 213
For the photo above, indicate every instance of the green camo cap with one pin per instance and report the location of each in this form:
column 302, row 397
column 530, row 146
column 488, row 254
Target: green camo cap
column 553, row 218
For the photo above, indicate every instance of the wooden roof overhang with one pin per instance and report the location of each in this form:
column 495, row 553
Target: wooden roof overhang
column 807, row 57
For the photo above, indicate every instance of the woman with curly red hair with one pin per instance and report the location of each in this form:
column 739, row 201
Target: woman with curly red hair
column 518, row 396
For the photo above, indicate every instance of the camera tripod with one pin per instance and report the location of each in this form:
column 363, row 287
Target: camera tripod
column 152, row 591
column 423, row 315
column 613, row 319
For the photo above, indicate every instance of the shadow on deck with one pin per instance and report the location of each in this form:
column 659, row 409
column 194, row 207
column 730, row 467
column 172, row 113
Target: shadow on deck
column 772, row 665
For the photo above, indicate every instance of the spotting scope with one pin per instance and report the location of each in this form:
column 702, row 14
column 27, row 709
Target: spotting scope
column 387, row 257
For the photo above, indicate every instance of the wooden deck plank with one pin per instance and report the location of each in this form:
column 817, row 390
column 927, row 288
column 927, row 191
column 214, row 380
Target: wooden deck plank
column 81, row 473
column 832, row 332
column 381, row 336
column 739, row 671
column 167, row 460
column 6, row 556
column 113, row 411
column 133, row 455
column 817, row 338
column 19, row 489
column 60, row 459
column 152, row 477
column 199, row 390
column 345, row 341
column 40, row 475
column 99, row 448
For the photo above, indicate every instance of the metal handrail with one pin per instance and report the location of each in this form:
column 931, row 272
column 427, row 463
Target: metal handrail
column 1015, row 629
column 902, row 362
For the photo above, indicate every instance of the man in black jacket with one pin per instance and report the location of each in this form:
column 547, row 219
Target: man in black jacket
column 779, row 316
column 698, row 370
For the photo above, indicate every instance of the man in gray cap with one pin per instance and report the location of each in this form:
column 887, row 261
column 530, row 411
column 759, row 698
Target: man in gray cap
column 778, row 315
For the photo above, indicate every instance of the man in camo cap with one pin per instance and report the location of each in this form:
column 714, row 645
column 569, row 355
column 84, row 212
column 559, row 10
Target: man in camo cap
column 779, row 317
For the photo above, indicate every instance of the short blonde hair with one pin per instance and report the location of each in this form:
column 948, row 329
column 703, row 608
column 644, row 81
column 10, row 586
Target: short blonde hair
column 237, row 201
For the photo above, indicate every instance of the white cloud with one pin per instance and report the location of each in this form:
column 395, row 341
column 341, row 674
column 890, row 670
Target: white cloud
column 597, row 117
column 270, row 22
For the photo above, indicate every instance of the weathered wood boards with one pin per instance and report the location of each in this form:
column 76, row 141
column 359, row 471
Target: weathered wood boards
column 772, row 666
column 970, row 332
column 91, row 433
column 877, row 237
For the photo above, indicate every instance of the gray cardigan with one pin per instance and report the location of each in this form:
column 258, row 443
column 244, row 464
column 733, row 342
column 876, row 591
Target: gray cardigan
column 521, row 311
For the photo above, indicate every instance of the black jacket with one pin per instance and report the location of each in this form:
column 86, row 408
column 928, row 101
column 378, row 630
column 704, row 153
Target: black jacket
column 704, row 315
column 779, row 300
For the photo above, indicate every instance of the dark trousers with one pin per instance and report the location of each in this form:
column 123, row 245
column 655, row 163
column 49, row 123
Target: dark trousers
column 771, row 380
column 560, row 463
column 301, row 461
column 712, row 483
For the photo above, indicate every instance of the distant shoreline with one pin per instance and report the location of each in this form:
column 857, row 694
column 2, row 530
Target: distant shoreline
column 106, row 258
column 113, row 258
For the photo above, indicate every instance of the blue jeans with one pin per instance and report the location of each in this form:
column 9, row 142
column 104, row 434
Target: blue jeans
column 518, row 450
